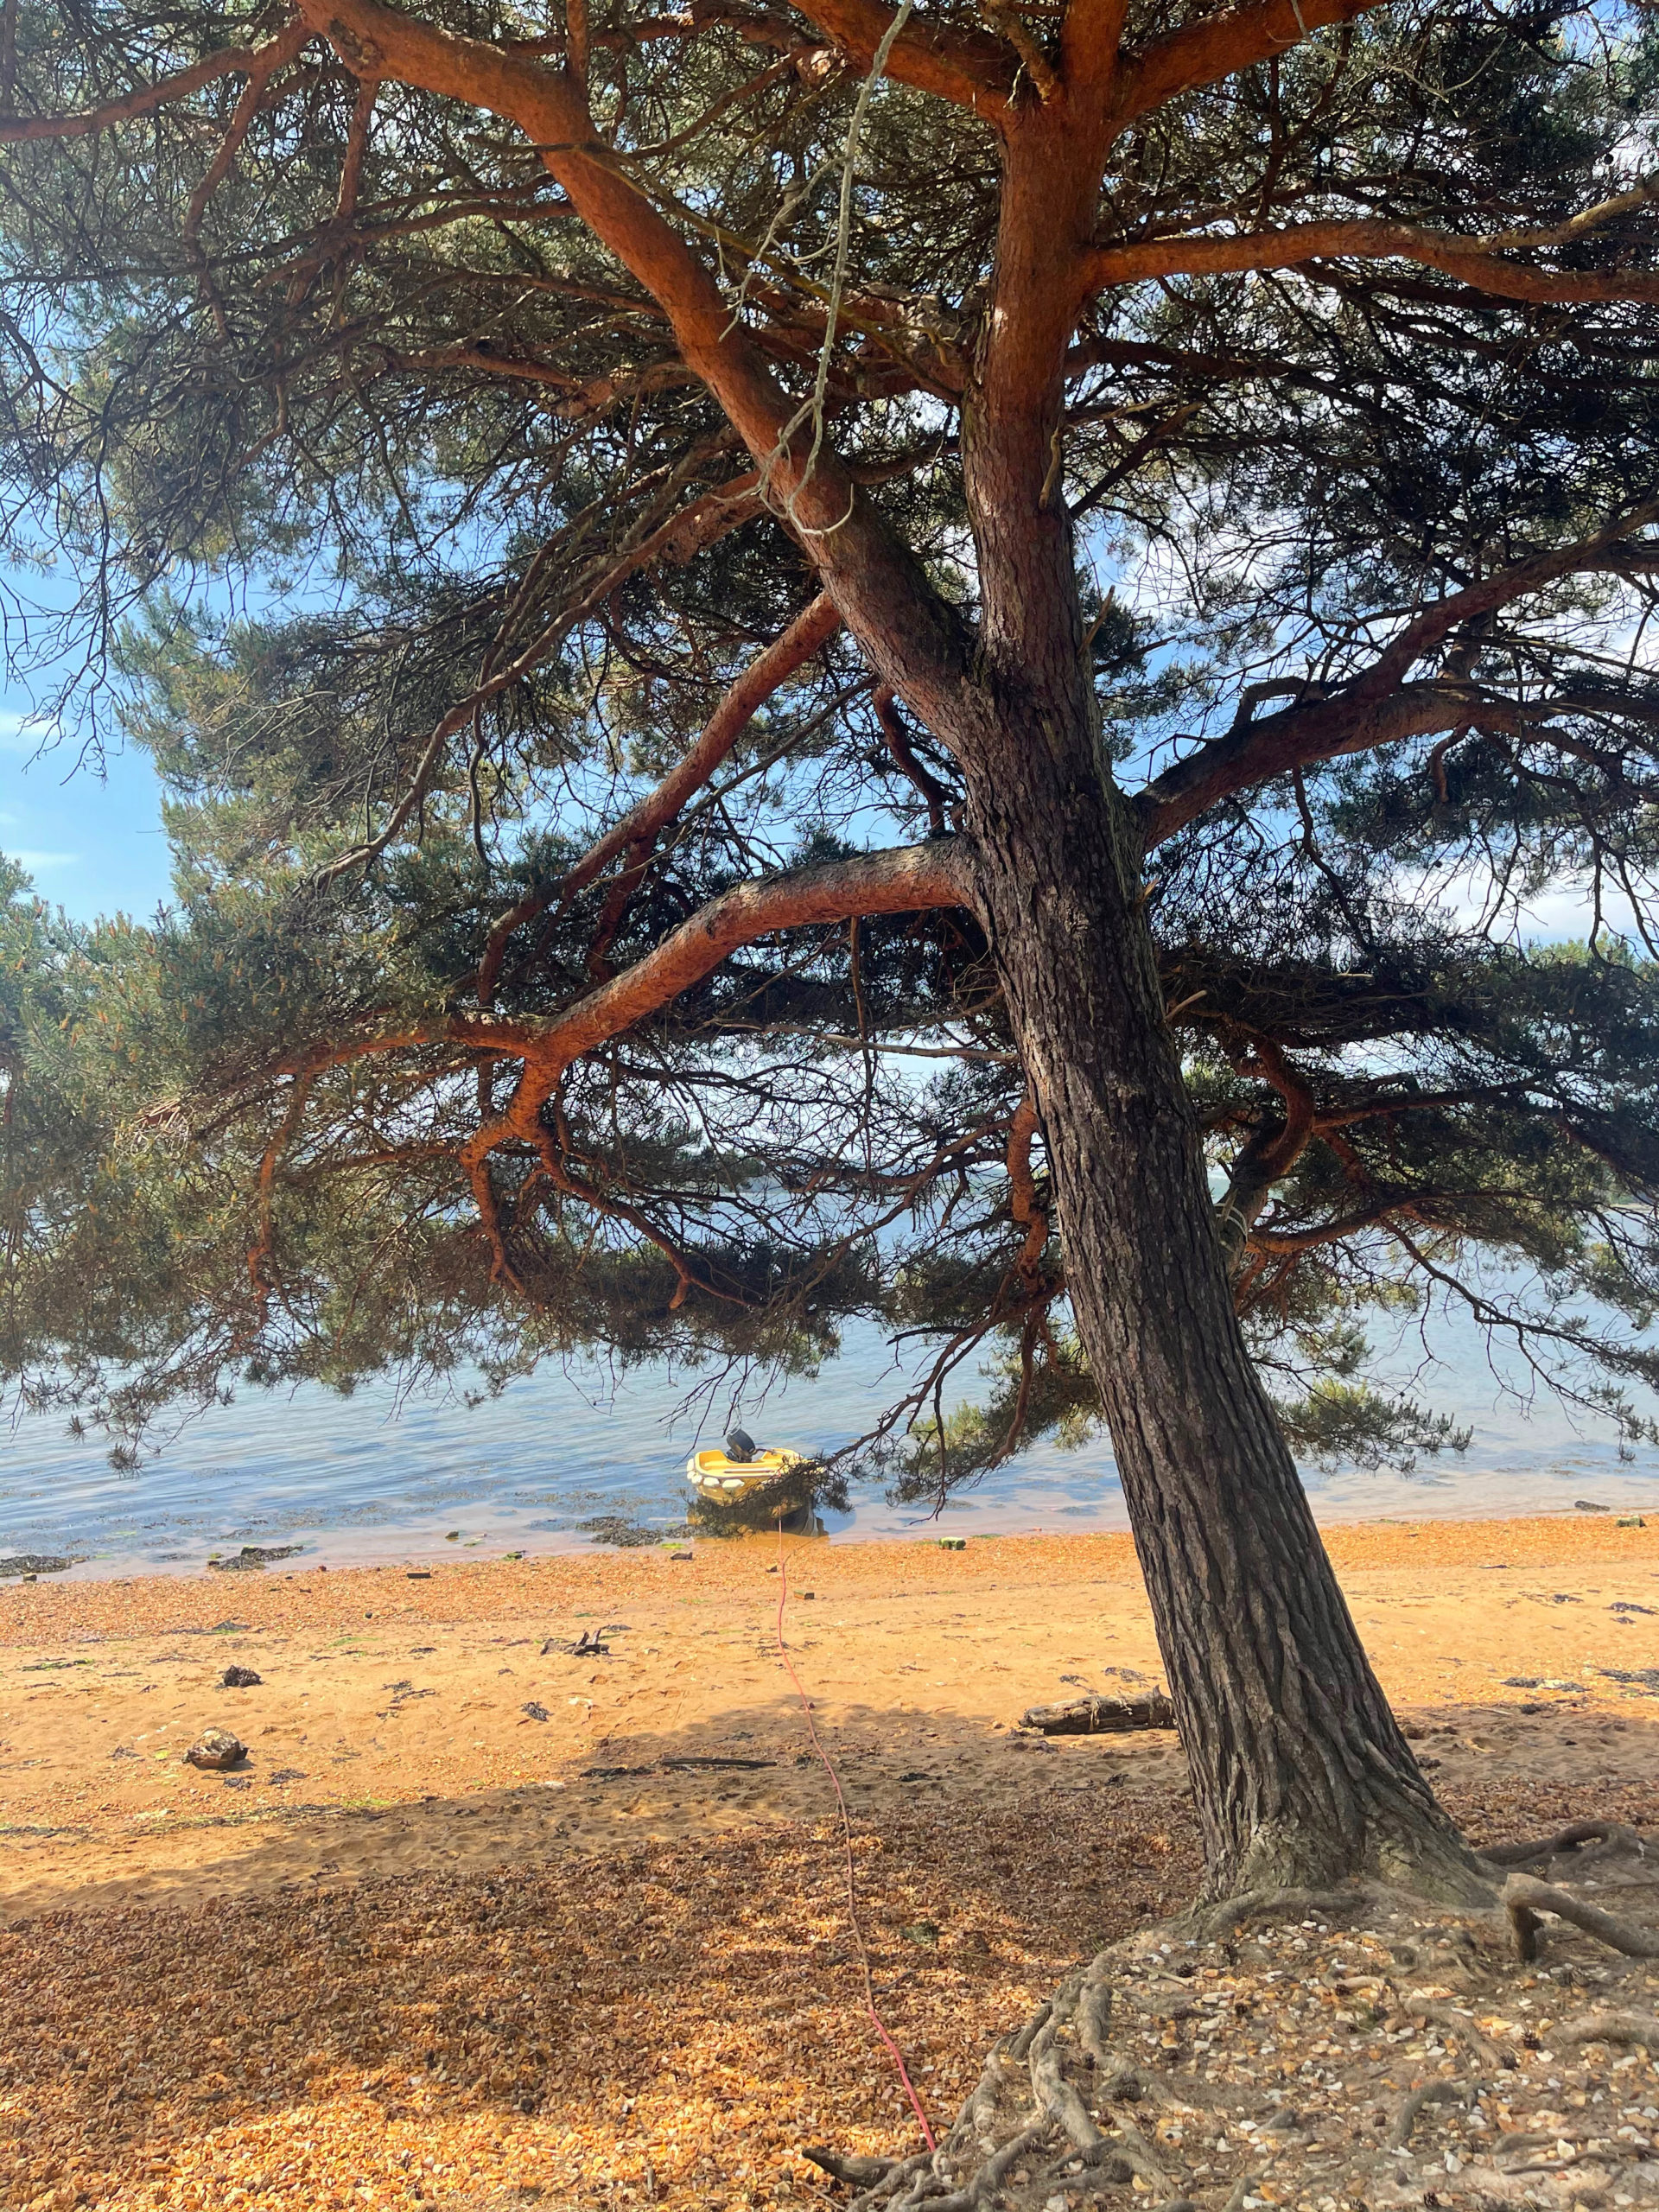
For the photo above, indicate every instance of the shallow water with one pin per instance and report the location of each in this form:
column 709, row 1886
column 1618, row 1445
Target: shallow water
column 375, row 1477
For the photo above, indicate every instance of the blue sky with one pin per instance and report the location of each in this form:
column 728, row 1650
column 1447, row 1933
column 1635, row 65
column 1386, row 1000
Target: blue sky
column 93, row 840
column 92, row 843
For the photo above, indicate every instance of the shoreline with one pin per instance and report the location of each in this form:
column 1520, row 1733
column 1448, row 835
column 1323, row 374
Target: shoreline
column 334, row 1552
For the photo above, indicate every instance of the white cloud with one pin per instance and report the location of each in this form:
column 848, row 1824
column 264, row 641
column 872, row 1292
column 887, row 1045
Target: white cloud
column 24, row 733
column 35, row 861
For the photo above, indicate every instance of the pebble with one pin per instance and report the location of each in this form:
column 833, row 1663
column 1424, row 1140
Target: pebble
column 216, row 1748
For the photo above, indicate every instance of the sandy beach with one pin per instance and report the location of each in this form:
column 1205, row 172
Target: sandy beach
column 488, row 1909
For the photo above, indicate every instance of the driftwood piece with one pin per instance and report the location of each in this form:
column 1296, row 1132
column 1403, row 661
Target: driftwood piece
column 1101, row 1716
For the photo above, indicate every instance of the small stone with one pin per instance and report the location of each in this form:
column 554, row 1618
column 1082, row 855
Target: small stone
column 240, row 1678
column 216, row 1749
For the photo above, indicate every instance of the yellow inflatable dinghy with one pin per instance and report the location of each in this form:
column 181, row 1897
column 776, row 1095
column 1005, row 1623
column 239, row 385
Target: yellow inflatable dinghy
column 713, row 1476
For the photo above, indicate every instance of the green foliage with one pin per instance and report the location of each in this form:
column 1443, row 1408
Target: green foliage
column 361, row 502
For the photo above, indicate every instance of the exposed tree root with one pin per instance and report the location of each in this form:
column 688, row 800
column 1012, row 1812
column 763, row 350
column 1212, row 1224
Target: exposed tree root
column 1526, row 1898
column 1614, row 1833
column 1326, row 2050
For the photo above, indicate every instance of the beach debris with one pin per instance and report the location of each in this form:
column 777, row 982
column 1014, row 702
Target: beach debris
column 285, row 1774
column 619, row 1530
column 953, row 1543
column 404, row 1693
column 216, row 1749
column 1101, row 1716
column 692, row 1763
column 30, row 1564
column 240, row 1678
column 534, row 1712
column 686, row 1765
column 1589, row 1505
column 1624, row 1605
column 251, row 1557
column 418, row 1574
column 589, row 1645
column 1631, row 1521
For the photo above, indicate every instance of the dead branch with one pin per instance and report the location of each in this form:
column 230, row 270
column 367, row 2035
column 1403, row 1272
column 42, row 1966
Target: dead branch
column 1610, row 2027
column 1571, row 1838
column 1101, row 1716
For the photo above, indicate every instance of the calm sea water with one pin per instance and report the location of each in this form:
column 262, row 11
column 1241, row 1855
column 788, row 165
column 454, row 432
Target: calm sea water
column 376, row 1476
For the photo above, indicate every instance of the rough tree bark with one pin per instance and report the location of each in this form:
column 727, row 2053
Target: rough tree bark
column 1299, row 1773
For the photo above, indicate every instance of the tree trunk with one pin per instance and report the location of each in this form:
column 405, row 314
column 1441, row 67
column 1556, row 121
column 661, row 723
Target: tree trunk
column 1300, row 1772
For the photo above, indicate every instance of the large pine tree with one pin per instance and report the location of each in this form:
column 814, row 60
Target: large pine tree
column 812, row 659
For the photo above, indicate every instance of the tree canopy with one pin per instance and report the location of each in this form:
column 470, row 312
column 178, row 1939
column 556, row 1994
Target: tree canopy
column 572, row 943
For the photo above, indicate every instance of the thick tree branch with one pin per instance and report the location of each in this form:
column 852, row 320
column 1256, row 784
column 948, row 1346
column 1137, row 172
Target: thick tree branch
column 970, row 69
column 1207, row 52
column 912, row 636
column 1377, row 708
column 1475, row 260
column 643, row 822
column 908, row 878
column 144, row 100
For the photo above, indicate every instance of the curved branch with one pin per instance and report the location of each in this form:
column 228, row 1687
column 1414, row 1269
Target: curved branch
column 1377, row 708
column 884, row 596
column 1207, row 52
column 640, row 827
column 908, row 879
column 1472, row 259
column 935, row 796
column 1024, row 1202
column 970, row 69
column 144, row 100
column 1271, row 1152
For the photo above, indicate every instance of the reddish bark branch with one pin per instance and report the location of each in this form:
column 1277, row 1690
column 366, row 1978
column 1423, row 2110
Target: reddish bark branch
column 935, row 797
column 1023, row 1202
column 967, row 68
column 1220, row 46
column 1474, row 260
column 878, row 586
column 640, row 827
column 1378, row 707
column 144, row 100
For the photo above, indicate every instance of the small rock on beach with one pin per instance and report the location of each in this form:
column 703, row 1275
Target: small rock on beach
column 216, row 1749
